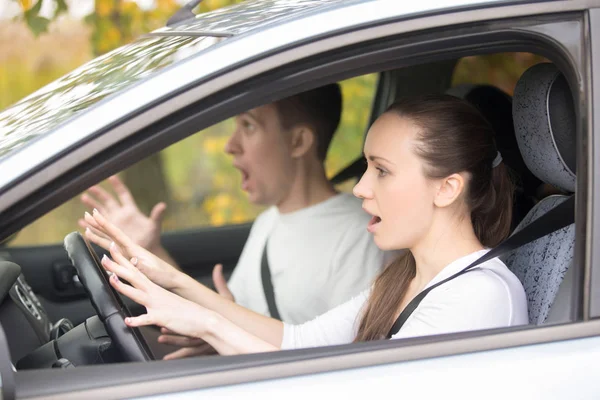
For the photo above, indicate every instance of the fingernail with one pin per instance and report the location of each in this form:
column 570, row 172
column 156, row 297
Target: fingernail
column 112, row 245
column 115, row 277
column 95, row 211
column 134, row 261
column 110, row 273
column 104, row 258
column 87, row 214
column 87, row 230
column 127, row 320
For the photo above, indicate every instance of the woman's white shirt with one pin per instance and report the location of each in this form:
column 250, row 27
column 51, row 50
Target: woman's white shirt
column 490, row 296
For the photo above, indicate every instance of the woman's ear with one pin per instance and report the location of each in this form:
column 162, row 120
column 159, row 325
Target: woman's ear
column 451, row 187
column 302, row 141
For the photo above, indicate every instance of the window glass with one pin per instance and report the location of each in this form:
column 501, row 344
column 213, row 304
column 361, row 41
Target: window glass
column 196, row 179
column 502, row 70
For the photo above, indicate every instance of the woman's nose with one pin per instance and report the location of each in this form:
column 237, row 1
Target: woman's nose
column 361, row 189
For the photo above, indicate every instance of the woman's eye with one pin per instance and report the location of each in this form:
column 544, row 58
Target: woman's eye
column 381, row 172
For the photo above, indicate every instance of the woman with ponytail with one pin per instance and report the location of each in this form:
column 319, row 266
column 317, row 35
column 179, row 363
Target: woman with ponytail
column 436, row 187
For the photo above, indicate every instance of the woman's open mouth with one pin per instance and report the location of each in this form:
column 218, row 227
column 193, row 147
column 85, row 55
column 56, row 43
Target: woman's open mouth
column 373, row 223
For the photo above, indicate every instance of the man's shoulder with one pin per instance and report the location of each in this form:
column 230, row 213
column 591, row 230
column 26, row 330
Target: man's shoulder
column 263, row 222
column 349, row 208
column 266, row 216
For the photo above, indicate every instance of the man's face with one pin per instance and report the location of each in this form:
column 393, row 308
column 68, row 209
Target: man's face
column 261, row 150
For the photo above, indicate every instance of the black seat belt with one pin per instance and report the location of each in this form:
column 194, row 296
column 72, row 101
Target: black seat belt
column 265, row 274
column 559, row 217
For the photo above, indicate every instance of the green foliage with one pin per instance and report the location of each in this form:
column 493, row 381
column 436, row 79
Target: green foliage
column 37, row 23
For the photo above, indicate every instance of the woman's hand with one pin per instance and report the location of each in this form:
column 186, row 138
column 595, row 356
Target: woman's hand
column 226, row 326
column 103, row 233
column 177, row 314
column 164, row 308
column 190, row 347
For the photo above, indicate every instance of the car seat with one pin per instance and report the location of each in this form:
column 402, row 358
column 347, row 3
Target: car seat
column 544, row 120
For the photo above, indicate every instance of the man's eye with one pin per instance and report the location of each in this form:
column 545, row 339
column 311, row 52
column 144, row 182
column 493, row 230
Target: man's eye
column 248, row 125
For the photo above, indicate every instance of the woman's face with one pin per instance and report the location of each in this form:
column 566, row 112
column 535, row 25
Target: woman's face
column 394, row 188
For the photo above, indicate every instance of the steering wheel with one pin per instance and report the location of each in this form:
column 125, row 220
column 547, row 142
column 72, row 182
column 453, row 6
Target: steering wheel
column 106, row 301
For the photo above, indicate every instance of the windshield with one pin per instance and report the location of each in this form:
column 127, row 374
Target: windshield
column 85, row 86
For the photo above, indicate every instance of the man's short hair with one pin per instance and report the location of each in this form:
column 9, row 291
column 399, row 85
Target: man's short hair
column 319, row 108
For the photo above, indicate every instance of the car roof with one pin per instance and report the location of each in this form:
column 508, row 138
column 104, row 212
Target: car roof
column 252, row 15
column 155, row 66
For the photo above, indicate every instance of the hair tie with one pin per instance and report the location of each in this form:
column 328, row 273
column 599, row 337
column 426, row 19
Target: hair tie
column 497, row 160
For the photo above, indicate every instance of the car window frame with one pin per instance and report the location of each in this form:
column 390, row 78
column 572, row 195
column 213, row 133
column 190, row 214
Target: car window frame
column 593, row 204
column 235, row 369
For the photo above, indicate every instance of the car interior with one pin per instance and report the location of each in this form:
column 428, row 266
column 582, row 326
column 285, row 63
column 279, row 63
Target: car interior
column 50, row 322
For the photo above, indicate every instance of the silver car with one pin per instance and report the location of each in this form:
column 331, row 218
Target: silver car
column 140, row 99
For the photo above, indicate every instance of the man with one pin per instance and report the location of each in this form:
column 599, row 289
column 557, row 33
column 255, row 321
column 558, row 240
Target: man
column 318, row 251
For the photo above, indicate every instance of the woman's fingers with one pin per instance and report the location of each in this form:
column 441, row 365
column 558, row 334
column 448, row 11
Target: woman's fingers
column 181, row 341
column 91, row 221
column 116, row 268
column 141, row 320
column 111, row 230
column 94, row 238
column 98, row 233
column 133, row 293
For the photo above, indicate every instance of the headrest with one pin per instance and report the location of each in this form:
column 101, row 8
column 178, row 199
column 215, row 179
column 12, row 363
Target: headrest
column 544, row 118
column 496, row 106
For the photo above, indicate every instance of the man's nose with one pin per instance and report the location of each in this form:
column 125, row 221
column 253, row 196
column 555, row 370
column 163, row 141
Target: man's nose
column 233, row 146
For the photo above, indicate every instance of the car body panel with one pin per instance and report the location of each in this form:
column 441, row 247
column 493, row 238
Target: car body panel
column 528, row 372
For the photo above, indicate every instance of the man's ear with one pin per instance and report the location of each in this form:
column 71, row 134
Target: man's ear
column 449, row 189
column 303, row 139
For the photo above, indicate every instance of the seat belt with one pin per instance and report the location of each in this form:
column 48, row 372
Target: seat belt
column 559, row 217
column 265, row 274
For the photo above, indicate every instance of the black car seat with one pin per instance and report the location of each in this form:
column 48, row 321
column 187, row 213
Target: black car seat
column 496, row 107
column 544, row 119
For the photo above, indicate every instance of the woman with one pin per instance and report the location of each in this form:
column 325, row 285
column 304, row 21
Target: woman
column 434, row 184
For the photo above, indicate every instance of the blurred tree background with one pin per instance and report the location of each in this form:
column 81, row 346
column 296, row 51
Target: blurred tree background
column 194, row 176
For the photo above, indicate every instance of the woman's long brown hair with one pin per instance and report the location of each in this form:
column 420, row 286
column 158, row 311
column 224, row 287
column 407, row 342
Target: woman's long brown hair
column 453, row 137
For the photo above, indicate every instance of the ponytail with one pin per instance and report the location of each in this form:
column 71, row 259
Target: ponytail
column 491, row 214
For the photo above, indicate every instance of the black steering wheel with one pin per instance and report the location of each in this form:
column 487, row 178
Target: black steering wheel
column 105, row 299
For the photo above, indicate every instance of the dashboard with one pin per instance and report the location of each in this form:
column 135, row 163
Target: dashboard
column 25, row 322
column 35, row 341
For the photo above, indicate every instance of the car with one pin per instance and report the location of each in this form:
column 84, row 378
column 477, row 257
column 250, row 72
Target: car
column 133, row 102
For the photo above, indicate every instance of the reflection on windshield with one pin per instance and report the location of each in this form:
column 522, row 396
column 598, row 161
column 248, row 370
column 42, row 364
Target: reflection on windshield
column 85, row 86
